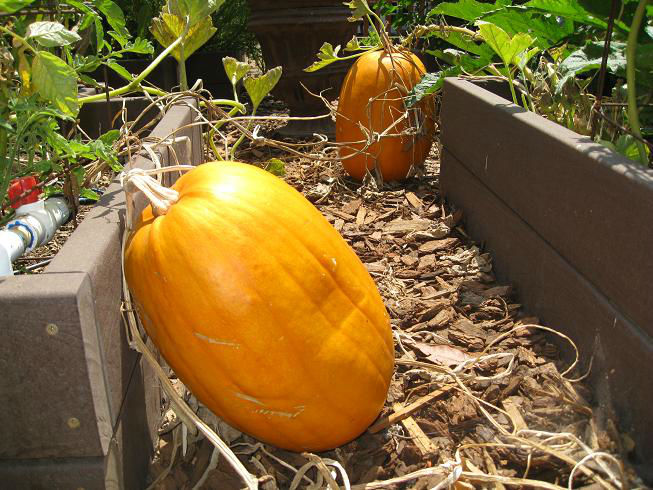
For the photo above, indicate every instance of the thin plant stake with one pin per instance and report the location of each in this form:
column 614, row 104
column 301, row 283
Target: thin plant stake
column 139, row 179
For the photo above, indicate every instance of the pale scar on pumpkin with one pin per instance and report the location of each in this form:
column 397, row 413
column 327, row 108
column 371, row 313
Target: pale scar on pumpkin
column 276, row 413
column 249, row 398
column 210, row 340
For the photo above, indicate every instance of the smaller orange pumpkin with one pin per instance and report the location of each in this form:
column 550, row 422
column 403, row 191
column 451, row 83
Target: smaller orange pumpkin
column 371, row 96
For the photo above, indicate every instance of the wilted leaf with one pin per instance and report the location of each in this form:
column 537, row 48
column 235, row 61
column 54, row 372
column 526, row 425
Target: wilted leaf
column 234, row 69
column 51, row 34
column 442, row 354
column 258, row 87
column 55, row 81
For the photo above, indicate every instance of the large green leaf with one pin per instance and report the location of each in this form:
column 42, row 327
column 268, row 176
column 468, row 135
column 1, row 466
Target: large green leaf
column 463, row 42
column 509, row 49
column 571, row 10
column 50, row 34
column 258, row 87
column 55, row 81
column 166, row 28
column 589, row 58
column 546, row 29
column 115, row 18
column 468, row 10
column 11, row 6
column 234, row 69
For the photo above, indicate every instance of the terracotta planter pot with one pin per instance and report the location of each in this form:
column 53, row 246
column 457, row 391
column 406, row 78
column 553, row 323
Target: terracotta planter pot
column 290, row 33
column 568, row 223
column 83, row 407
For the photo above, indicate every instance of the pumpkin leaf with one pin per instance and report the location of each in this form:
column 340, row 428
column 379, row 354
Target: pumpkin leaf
column 51, row 34
column 234, row 69
column 327, row 55
column 258, row 87
column 196, row 10
column 11, row 6
column 506, row 47
column 359, row 9
column 166, row 28
column 353, row 45
column 55, row 81
column 429, row 84
column 276, row 167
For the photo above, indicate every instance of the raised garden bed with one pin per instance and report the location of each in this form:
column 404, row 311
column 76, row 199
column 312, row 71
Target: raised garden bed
column 82, row 409
column 568, row 223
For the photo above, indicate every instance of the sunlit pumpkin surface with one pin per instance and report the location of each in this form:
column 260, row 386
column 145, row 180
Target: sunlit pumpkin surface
column 262, row 309
column 371, row 79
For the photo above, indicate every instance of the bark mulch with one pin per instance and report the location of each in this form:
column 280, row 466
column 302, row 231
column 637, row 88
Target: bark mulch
column 475, row 389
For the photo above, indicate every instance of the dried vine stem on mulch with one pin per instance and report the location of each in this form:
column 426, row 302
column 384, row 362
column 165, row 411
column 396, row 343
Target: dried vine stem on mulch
column 480, row 396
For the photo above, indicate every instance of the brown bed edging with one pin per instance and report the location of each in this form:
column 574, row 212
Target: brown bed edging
column 568, row 222
column 82, row 406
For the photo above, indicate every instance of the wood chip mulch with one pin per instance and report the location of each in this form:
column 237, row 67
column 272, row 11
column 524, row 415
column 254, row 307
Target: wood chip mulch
column 446, row 309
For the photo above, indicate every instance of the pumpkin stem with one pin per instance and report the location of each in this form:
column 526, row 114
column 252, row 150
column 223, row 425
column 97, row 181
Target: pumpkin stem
column 161, row 198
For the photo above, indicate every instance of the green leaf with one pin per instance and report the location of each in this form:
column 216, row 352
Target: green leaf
column 166, row 28
column 11, row 6
column 589, row 58
column 258, row 87
column 120, row 70
column 89, row 194
column 353, row 45
column 55, row 81
column 110, row 137
column 359, row 9
column 429, row 84
column 115, row 18
column 547, row 29
column 463, row 42
column 196, row 10
column 569, row 9
column 51, row 34
column 508, row 49
column 468, row 10
column 234, row 69
column 327, row 55
column 139, row 46
column 276, row 167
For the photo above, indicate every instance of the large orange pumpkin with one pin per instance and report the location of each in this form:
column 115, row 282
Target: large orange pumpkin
column 371, row 95
column 262, row 309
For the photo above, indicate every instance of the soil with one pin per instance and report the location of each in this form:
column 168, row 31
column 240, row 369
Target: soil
column 498, row 419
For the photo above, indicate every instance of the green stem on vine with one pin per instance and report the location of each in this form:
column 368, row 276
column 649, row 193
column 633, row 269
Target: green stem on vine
column 512, row 88
column 232, row 153
column 19, row 38
column 217, row 126
column 631, row 49
column 135, row 83
column 183, row 79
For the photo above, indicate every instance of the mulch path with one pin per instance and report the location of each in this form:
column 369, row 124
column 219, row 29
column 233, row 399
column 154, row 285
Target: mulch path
column 444, row 405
